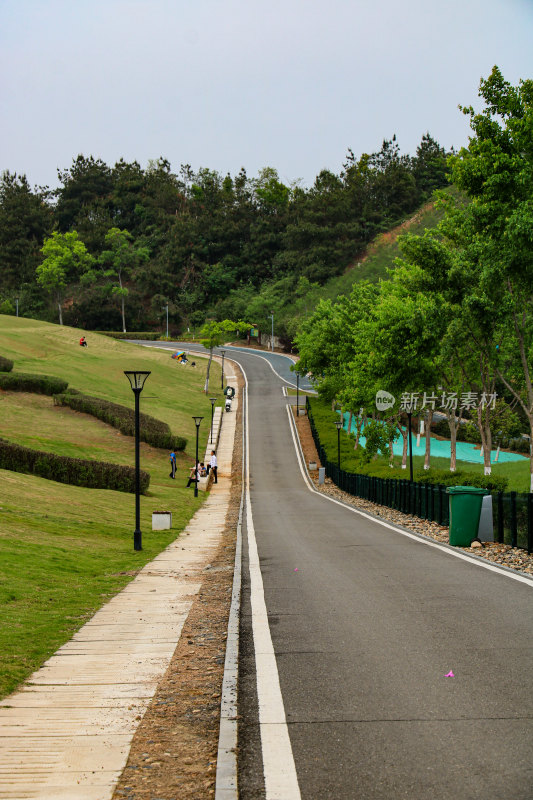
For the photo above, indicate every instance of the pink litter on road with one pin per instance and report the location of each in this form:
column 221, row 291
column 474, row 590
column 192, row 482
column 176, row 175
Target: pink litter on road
column 296, row 569
column 450, row 675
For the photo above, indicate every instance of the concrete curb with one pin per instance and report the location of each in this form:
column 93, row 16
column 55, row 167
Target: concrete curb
column 226, row 787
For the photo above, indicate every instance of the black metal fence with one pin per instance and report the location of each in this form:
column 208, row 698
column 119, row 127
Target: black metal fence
column 512, row 512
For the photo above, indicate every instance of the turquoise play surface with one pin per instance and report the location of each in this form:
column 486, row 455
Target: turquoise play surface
column 441, row 448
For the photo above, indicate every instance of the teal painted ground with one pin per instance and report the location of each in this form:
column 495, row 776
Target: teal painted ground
column 441, row 448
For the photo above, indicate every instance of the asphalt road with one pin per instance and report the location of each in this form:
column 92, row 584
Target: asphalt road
column 281, row 364
column 365, row 632
column 366, row 623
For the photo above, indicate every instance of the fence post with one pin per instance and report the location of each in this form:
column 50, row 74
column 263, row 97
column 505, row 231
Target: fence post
column 529, row 522
column 500, row 518
column 514, row 536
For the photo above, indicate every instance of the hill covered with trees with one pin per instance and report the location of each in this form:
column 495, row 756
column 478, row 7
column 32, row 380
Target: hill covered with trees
column 122, row 242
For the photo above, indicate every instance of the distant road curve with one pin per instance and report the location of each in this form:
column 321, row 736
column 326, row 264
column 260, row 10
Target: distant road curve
column 280, row 363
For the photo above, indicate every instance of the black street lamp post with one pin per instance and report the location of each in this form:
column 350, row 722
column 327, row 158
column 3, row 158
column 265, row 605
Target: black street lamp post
column 197, row 421
column 223, row 352
column 297, row 394
column 213, row 401
column 137, row 379
column 338, row 425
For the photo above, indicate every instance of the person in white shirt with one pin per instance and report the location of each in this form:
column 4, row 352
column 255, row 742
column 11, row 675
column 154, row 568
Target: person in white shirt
column 213, row 465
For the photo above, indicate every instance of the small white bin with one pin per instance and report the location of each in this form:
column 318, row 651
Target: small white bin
column 161, row 520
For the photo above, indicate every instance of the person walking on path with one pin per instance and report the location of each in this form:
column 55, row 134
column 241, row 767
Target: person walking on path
column 172, row 464
column 213, row 465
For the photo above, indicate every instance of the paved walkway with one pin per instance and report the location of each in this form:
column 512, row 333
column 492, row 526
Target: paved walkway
column 67, row 733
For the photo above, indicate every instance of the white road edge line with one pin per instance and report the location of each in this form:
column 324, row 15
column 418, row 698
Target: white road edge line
column 281, row 782
column 463, row 556
column 226, row 785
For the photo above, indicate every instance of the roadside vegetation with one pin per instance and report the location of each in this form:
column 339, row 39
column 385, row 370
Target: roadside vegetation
column 510, row 476
column 452, row 329
column 64, row 550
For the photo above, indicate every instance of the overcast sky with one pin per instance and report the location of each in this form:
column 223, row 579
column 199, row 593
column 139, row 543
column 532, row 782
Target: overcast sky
column 222, row 84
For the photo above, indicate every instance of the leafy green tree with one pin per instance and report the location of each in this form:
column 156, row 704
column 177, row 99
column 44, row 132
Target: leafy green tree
column 26, row 218
column 213, row 334
column 119, row 260
column 491, row 237
column 7, row 307
column 65, row 258
column 84, row 200
column 430, row 170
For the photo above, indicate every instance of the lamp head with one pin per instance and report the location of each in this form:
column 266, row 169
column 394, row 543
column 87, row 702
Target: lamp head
column 338, row 424
column 136, row 378
column 213, row 400
column 197, row 421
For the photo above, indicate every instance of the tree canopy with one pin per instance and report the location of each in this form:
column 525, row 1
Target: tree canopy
column 213, row 242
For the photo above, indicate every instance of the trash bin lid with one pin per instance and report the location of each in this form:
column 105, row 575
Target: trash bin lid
column 465, row 490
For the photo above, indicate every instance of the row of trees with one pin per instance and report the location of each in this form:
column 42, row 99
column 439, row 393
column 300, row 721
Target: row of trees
column 457, row 315
column 204, row 243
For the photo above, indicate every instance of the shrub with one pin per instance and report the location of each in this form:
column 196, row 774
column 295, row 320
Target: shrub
column 152, row 431
column 519, row 445
column 39, row 384
column 148, row 335
column 494, row 483
column 6, row 365
column 466, row 432
column 75, row 471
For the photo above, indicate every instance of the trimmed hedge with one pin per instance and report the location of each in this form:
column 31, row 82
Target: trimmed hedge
column 148, row 335
column 75, row 471
column 152, row 431
column 6, row 365
column 39, row 384
column 494, row 483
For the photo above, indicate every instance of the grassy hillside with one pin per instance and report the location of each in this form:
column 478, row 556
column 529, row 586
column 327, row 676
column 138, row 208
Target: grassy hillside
column 372, row 266
column 65, row 550
column 381, row 253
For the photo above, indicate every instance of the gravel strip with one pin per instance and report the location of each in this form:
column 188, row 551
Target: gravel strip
column 504, row 554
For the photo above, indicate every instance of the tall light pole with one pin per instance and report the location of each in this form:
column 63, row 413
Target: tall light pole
column 197, row 421
column 222, row 377
column 272, row 335
column 213, row 401
column 167, row 318
column 338, row 425
column 297, row 394
column 137, row 379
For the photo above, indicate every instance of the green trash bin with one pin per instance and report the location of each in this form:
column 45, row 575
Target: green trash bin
column 465, row 511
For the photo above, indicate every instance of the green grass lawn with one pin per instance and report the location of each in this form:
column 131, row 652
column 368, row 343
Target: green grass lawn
column 65, row 550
